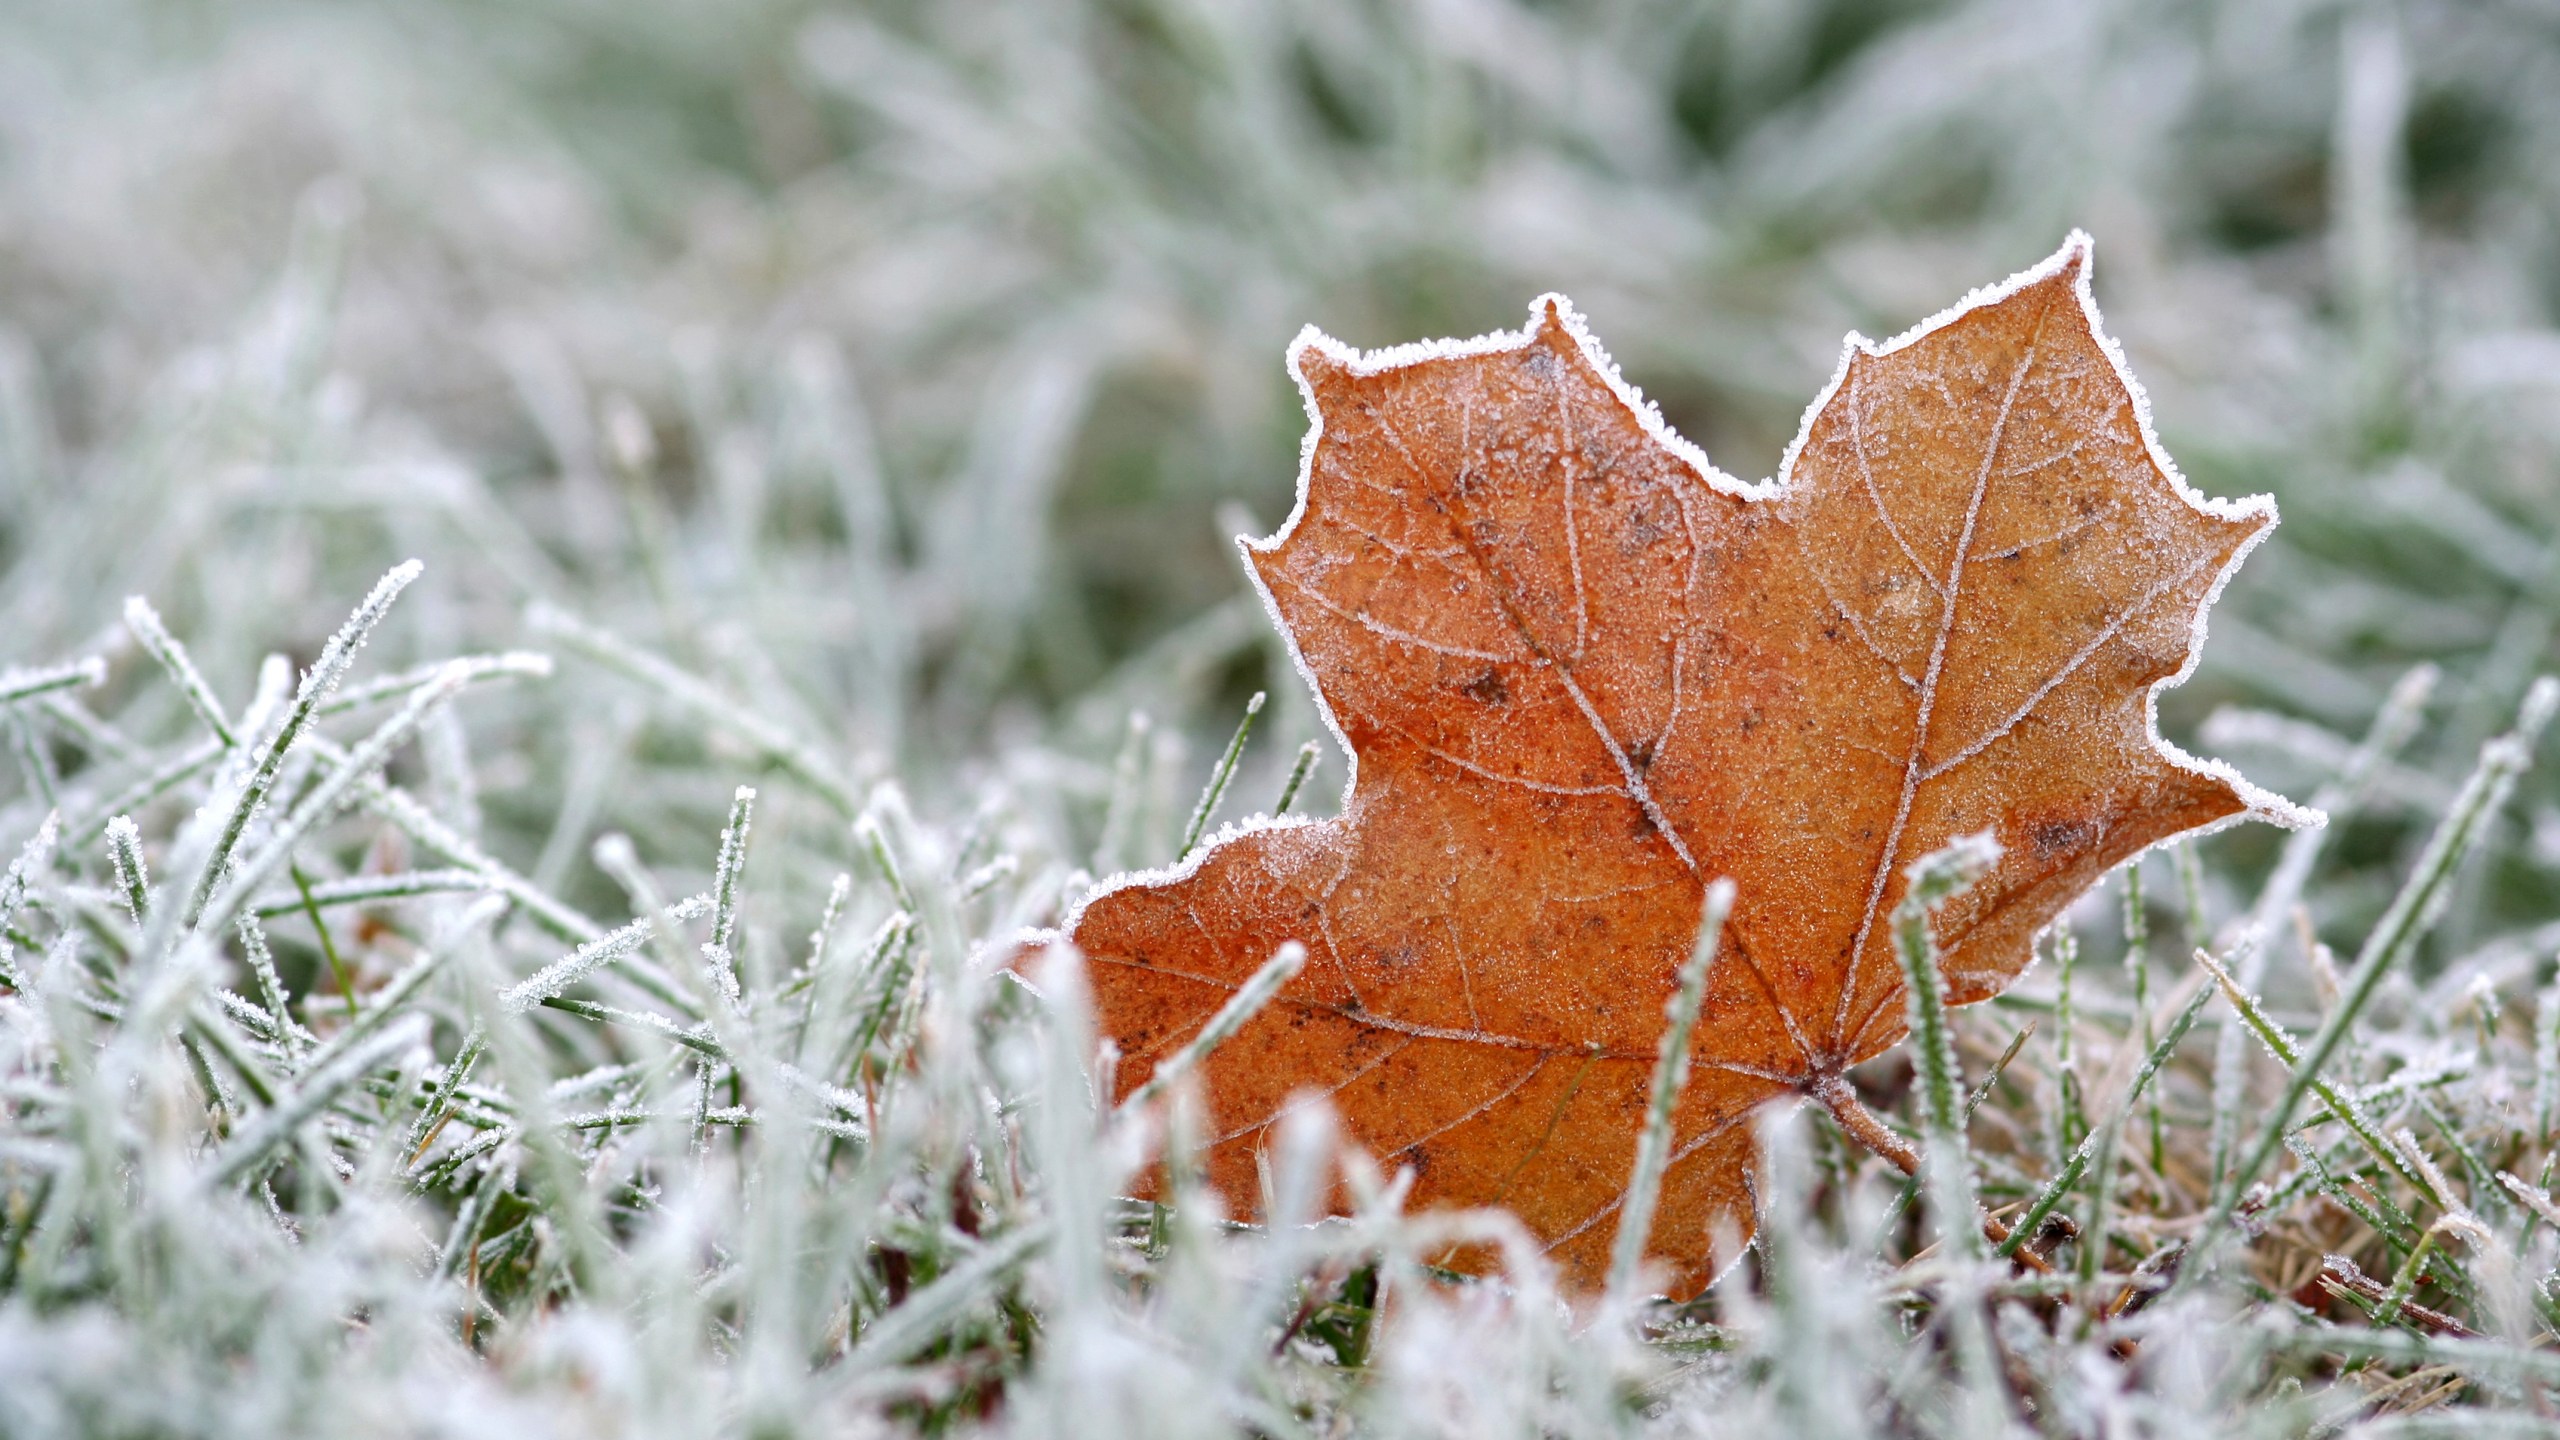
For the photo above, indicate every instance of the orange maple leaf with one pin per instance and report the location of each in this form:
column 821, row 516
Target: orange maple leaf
column 1582, row 673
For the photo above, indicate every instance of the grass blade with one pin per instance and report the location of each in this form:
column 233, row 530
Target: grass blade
column 2048, row 1199
column 1670, row 1077
column 155, row 638
column 2342, row 1105
column 1242, row 1006
column 274, row 1129
column 553, row 979
column 133, row 880
column 336, row 658
column 718, row 957
column 1946, row 1161
column 17, row 684
column 323, row 800
column 2411, row 912
column 1218, row 778
column 1299, row 770
column 780, row 748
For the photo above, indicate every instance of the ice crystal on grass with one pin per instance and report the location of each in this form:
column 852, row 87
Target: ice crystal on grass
column 865, row 381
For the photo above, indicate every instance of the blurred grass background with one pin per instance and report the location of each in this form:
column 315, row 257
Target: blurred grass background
column 903, row 370
column 912, row 363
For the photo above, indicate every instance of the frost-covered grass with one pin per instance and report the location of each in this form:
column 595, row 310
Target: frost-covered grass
column 426, row 1032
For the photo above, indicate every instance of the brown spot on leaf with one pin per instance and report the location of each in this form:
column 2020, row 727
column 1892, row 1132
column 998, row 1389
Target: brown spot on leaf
column 1883, row 655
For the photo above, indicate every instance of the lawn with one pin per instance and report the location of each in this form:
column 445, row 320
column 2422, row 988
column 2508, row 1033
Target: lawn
column 573, row 573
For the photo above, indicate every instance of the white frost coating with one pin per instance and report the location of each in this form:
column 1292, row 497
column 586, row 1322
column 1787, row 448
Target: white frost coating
column 2262, row 804
column 2077, row 249
column 1232, row 830
column 578, row 964
column 1373, row 362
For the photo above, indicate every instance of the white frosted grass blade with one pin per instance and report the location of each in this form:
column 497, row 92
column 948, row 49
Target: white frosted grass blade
column 267, row 700
column 293, row 1042
column 1066, row 1137
column 1947, row 1163
column 671, row 982
column 324, row 798
column 1297, row 1181
column 794, row 755
column 20, row 684
column 2097, row 1144
column 1303, row 766
column 2394, row 723
column 402, row 809
column 718, row 953
column 1219, row 777
column 2412, row 911
column 336, row 658
column 370, row 890
column 695, row 1037
column 310, row 1095
column 133, row 878
column 559, row 1177
column 511, row 664
column 1247, row 1002
column 147, row 628
column 1670, row 1077
column 556, row 978
column 14, row 885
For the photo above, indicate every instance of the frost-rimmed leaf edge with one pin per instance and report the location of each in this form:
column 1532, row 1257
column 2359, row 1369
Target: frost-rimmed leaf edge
column 2078, row 250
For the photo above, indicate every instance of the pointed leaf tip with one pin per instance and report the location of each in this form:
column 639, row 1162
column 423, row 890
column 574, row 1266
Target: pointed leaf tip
column 2078, row 253
column 1576, row 682
column 1316, row 361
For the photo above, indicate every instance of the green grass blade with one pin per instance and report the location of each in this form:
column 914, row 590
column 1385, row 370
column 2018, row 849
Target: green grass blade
column 1218, row 778
column 2410, row 913
column 1670, row 1077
